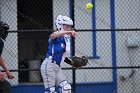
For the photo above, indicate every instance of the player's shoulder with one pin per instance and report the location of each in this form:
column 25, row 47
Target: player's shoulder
column 53, row 33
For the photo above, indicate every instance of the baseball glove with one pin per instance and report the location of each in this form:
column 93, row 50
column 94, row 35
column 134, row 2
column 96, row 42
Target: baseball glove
column 79, row 61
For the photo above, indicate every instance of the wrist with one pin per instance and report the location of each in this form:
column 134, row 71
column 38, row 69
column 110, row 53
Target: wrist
column 68, row 60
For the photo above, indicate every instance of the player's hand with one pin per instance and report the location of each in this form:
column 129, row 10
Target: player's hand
column 73, row 33
column 1, row 76
column 9, row 75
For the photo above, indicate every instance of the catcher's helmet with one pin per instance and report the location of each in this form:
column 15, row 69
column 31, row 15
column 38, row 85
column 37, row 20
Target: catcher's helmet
column 4, row 26
column 61, row 20
column 3, row 30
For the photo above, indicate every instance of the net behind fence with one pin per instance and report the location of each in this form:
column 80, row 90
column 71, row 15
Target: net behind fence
column 108, row 35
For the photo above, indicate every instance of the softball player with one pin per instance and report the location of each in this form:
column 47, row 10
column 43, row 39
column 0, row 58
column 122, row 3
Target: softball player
column 58, row 50
column 5, row 86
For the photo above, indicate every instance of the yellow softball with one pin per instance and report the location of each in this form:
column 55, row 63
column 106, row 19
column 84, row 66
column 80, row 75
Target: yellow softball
column 89, row 6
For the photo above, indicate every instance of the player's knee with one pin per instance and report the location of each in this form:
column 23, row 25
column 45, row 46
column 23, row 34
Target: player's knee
column 50, row 90
column 65, row 87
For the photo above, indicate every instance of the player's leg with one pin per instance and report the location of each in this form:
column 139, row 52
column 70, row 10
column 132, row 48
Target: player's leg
column 65, row 87
column 48, row 75
column 5, row 87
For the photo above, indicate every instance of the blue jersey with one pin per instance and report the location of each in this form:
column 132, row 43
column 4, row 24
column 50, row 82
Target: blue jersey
column 56, row 49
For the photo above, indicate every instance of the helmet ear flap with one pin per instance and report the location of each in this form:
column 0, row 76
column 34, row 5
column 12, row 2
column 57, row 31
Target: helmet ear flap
column 58, row 25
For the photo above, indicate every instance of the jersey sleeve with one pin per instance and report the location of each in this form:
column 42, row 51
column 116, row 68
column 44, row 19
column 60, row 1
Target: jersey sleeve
column 51, row 40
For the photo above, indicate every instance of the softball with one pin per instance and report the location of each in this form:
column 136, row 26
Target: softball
column 89, row 6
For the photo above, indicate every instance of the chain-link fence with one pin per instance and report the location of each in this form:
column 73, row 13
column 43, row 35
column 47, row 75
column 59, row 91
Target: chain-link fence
column 109, row 35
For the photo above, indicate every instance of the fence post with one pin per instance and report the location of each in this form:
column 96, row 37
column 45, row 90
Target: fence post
column 71, row 3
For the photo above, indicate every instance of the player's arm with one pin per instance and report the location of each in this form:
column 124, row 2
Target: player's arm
column 61, row 33
column 4, row 66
